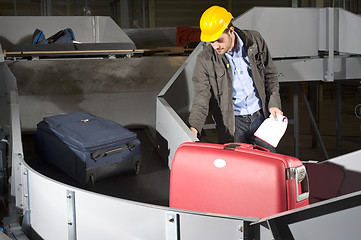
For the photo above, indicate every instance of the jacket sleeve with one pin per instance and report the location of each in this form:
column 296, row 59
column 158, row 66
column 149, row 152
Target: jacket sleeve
column 202, row 95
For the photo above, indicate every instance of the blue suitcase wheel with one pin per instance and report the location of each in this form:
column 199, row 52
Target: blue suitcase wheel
column 91, row 180
column 136, row 168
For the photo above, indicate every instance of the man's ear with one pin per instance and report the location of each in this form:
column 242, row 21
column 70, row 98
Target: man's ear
column 231, row 30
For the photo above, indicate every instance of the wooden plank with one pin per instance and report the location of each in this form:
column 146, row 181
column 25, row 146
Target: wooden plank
column 70, row 52
column 156, row 51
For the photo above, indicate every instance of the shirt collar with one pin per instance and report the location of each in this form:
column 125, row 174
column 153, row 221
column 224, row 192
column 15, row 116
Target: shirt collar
column 238, row 45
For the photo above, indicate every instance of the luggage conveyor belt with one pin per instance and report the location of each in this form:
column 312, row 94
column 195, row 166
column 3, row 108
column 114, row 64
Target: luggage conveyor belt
column 151, row 185
column 46, row 195
column 54, row 207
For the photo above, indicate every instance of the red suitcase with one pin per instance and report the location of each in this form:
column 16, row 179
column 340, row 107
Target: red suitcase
column 236, row 179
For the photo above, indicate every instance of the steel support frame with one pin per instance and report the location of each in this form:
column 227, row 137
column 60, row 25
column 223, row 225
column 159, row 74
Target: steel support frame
column 313, row 122
column 338, row 118
column 339, row 114
column 296, row 131
column 296, row 89
column 330, row 44
column 124, row 13
column 46, row 7
column 70, row 195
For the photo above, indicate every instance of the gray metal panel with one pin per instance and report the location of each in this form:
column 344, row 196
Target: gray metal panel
column 173, row 107
column 315, row 69
column 289, row 32
column 336, row 218
column 86, row 29
column 347, row 68
column 171, row 225
column 1, row 54
column 87, row 76
column 294, row 32
column 49, row 87
column 48, row 205
column 322, row 41
column 10, row 120
column 338, row 225
column 19, row 178
column 171, row 129
column 129, row 109
column 109, row 31
column 103, row 217
column 263, row 231
column 202, row 227
column 184, row 74
column 290, row 70
column 349, row 32
column 350, row 161
column 153, row 37
column 7, row 83
column 330, row 43
column 70, row 195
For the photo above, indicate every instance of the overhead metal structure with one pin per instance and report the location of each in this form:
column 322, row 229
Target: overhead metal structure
column 56, row 210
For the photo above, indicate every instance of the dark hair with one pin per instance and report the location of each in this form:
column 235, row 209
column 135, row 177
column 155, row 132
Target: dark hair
column 228, row 27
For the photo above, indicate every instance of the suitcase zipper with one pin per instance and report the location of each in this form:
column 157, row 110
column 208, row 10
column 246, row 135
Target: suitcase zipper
column 101, row 146
column 97, row 154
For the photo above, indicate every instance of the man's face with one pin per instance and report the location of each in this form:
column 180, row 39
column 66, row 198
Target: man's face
column 225, row 42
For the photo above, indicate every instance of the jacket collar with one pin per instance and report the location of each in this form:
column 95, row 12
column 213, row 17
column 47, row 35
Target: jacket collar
column 247, row 42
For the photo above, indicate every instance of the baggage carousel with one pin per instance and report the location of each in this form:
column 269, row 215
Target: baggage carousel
column 151, row 95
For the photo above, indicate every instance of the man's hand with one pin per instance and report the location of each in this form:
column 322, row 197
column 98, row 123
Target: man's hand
column 194, row 131
column 274, row 111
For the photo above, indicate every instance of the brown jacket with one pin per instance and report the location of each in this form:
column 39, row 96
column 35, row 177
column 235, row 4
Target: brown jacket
column 213, row 84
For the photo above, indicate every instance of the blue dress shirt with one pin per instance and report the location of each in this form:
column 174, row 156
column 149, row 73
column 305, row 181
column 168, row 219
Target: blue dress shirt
column 245, row 96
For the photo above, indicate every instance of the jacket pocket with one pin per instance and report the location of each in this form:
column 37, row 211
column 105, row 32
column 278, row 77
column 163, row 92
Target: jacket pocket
column 217, row 82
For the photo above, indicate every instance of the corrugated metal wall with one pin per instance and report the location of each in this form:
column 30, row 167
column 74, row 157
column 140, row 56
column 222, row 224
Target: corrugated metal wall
column 239, row 7
column 136, row 13
column 171, row 13
column 154, row 13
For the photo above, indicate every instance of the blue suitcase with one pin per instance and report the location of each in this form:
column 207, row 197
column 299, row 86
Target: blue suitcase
column 86, row 147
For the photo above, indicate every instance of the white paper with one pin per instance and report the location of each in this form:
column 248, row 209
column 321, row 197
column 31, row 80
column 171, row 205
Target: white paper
column 271, row 130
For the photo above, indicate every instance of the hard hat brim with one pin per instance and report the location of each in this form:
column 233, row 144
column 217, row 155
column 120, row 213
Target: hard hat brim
column 211, row 38
column 215, row 36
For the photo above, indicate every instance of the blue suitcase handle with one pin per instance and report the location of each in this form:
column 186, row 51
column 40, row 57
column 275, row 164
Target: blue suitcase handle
column 97, row 154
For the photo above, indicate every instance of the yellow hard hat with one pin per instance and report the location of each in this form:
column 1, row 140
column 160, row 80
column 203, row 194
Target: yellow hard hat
column 213, row 22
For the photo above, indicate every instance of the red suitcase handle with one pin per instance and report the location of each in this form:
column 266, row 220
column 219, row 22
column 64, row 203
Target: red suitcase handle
column 301, row 179
column 233, row 146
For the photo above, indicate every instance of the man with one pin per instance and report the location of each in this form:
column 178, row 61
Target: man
column 236, row 77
